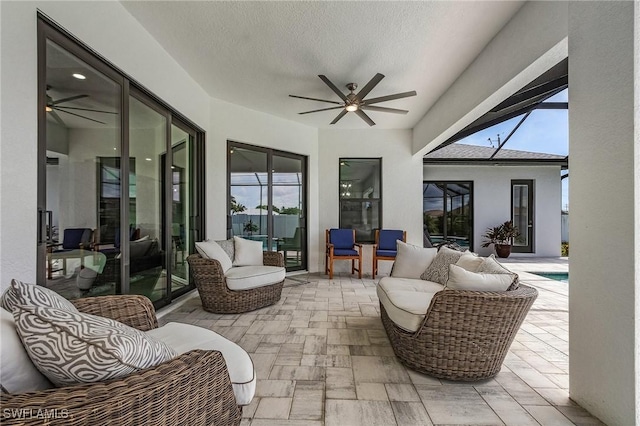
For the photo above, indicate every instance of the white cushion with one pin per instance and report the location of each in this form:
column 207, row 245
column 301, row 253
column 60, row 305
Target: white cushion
column 21, row 293
column 491, row 266
column 74, row 347
column 470, row 261
column 212, row 250
column 246, row 277
column 461, row 279
column 18, row 374
column 183, row 338
column 247, row 252
column 411, row 261
column 406, row 303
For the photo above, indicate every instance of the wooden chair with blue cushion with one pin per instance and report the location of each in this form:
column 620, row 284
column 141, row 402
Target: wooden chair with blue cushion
column 341, row 245
column 385, row 247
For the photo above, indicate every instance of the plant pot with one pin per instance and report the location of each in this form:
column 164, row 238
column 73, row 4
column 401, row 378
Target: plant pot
column 503, row 250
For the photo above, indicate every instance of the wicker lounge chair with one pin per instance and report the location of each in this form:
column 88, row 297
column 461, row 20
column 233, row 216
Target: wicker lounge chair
column 191, row 390
column 465, row 334
column 216, row 297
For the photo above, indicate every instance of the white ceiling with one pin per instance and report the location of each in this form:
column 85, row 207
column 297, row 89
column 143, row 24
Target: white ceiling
column 255, row 54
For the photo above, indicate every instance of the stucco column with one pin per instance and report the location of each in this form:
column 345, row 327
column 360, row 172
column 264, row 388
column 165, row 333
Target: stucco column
column 604, row 228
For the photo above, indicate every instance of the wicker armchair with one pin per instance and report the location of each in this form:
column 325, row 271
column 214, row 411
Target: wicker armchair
column 465, row 334
column 192, row 389
column 216, row 297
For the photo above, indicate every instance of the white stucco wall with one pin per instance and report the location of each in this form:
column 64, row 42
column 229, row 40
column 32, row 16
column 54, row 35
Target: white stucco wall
column 603, row 296
column 111, row 31
column 492, row 200
column 401, row 183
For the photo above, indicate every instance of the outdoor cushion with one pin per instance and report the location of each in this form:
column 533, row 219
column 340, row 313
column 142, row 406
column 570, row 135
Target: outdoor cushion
column 74, row 347
column 247, row 252
column 470, row 261
column 405, row 306
column 386, row 253
column 491, row 266
column 229, row 247
column 21, row 293
column 387, row 239
column 411, row 261
column 344, row 252
column 341, row 239
column 18, row 374
column 438, row 270
column 461, row 279
column 410, row 284
column 211, row 250
column 186, row 337
column 247, row 277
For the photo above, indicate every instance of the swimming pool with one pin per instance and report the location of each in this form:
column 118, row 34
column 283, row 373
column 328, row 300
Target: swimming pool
column 558, row 276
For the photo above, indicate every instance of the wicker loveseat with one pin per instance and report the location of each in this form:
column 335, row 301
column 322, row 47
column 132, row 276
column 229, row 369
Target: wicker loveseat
column 192, row 389
column 465, row 335
column 217, row 297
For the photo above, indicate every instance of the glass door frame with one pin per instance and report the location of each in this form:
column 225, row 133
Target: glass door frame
column 48, row 30
column 270, row 152
column 530, row 231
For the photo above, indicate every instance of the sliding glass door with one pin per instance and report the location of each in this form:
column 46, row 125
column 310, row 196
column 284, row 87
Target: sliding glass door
column 267, row 200
column 113, row 217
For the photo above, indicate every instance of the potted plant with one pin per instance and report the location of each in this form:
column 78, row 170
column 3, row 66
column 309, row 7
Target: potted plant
column 501, row 237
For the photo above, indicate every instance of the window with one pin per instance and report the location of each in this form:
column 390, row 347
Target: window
column 448, row 212
column 361, row 196
column 522, row 210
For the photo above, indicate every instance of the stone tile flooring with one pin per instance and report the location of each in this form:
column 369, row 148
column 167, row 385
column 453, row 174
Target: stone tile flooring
column 322, row 358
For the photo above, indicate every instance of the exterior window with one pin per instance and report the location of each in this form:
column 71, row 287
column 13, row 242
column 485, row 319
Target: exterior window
column 448, row 213
column 522, row 214
column 361, row 196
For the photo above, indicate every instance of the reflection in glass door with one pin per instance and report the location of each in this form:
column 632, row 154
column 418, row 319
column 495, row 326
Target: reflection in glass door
column 447, row 213
column 267, row 200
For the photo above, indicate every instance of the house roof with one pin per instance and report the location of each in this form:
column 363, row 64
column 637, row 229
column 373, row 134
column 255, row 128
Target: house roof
column 475, row 154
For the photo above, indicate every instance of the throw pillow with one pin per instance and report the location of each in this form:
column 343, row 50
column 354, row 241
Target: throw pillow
column 21, row 293
column 461, row 279
column 211, row 250
column 145, row 238
column 491, row 266
column 411, row 260
column 438, row 270
column 74, row 347
column 18, row 374
column 470, row 261
column 228, row 246
column 139, row 248
column 248, row 253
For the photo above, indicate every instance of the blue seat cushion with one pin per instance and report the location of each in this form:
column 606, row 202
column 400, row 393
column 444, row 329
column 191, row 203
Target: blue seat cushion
column 73, row 237
column 341, row 238
column 344, row 252
column 388, row 237
column 386, row 253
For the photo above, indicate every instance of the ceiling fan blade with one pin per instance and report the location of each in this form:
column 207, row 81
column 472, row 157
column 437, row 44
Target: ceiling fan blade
column 333, row 87
column 57, row 118
column 370, row 85
column 323, row 109
column 383, row 109
column 69, row 99
column 342, row 114
column 78, row 115
column 314, row 99
column 365, row 117
column 390, row 97
column 85, row 109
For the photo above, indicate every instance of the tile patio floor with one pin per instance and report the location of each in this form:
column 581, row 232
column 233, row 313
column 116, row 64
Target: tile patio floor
column 322, row 358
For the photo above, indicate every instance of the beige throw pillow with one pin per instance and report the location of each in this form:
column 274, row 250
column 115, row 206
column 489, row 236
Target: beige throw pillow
column 247, row 252
column 412, row 260
column 438, row 271
column 461, row 279
column 470, row 261
column 211, row 250
column 491, row 266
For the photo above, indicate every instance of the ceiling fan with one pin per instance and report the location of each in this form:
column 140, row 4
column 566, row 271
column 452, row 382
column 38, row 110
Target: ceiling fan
column 54, row 105
column 356, row 102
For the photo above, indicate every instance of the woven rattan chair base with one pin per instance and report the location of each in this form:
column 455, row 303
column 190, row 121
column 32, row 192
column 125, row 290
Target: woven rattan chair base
column 218, row 298
column 465, row 335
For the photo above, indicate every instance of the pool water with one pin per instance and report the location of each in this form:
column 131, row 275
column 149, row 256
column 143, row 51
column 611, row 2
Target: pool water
column 558, row 276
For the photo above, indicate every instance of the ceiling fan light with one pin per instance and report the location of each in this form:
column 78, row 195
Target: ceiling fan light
column 48, row 108
column 79, row 76
column 351, row 107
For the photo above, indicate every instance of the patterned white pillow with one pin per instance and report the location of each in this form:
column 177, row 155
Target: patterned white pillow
column 229, row 247
column 438, row 270
column 21, row 293
column 74, row 347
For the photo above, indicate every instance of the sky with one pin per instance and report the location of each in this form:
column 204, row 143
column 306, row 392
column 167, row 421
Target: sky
column 544, row 131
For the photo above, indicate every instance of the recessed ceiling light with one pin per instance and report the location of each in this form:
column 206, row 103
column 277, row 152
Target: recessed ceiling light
column 79, row 76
